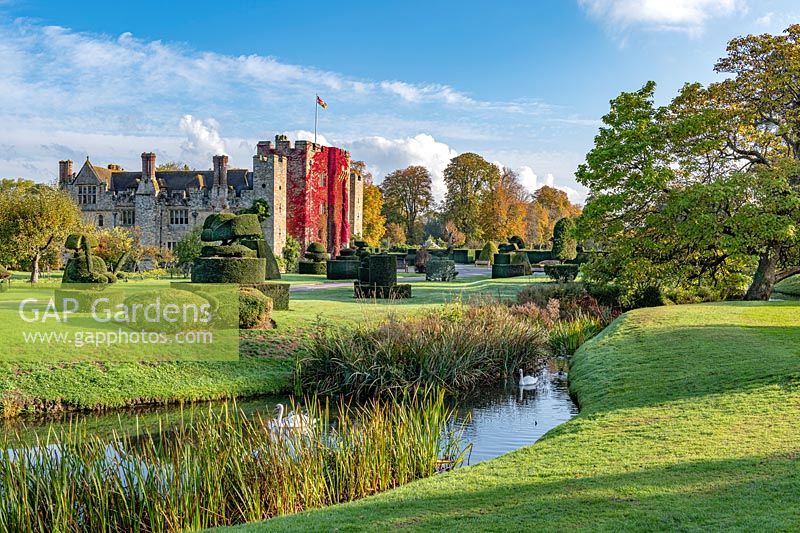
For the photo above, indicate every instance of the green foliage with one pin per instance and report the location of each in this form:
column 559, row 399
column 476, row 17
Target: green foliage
column 439, row 269
column 469, row 178
column 260, row 208
column 83, row 266
column 500, row 270
column 488, row 251
column 406, row 196
column 312, row 267
column 521, row 258
column 227, row 227
column 562, row 273
column 315, row 252
column 518, row 241
column 462, row 349
column 569, row 335
column 188, row 247
column 227, row 250
column 502, row 258
column 34, row 219
column 649, row 296
column 277, row 292
column 342, row 269
column 246, row 270
column 790, row 286
column 463, row 256
column 565, row 247
column 291, row 253
column 254, row 308
column 264, row 250
column 181, row 298
column 383, row 270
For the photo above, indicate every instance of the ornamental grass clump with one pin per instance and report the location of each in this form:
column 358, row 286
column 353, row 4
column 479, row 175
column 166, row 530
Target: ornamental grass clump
column 221, row 467
column 459, row 347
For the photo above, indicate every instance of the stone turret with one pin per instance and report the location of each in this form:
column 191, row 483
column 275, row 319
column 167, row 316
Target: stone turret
column 64, row 173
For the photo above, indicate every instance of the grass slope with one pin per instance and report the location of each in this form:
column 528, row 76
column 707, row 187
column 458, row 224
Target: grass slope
column 690, row 421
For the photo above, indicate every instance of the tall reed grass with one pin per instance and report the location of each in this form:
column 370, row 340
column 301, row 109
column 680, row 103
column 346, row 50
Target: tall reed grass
column 457, row 347
column 221, row 468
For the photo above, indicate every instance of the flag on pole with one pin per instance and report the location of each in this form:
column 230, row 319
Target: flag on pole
column 321, row 103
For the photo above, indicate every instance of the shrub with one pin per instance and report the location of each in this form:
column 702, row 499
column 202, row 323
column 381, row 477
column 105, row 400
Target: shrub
column 501, row 258
column 507, row 271
column 383, row 270
column 277, row 292
column 242, row 270
column 312, row 267
column 461, row 349
column 291, row 253
column 227, row 250
column 254, row 308
column 507, row 248
column 649, row 296
column 441, row 270
column 562, row 273
column 541, row 293
column 488, row 252
column 564, row 244
column 607, row 294
column 264, row 251
column 463, row 256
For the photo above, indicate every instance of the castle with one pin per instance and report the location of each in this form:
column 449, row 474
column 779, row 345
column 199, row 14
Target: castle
column 312, row 193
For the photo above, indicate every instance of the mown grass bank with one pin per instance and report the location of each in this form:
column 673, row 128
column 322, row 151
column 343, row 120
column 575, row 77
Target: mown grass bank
column 789, row 286
column 690, row 421
column 265, row 367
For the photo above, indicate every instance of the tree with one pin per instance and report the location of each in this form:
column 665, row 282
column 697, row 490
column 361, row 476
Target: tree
column 452, row 236
column 547, row 207
column 407, row 195
column 114, row 245
column 395, row 233
column 34, row 219
column 468, row 178
column 537, row 225
column 374, row 224
column 504, row 207
column 171, row 166
column 188, row 248
column 703, row 190
column 565, row 247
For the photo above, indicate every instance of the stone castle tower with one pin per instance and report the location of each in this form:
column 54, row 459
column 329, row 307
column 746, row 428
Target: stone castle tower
column 311, row 191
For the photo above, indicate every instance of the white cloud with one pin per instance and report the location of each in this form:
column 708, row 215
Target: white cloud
column 688, row 16
column 532, row 182
column 384, row 155
column 202, row 141
column 765, row 20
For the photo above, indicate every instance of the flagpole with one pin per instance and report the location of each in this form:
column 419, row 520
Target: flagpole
column 316, row 110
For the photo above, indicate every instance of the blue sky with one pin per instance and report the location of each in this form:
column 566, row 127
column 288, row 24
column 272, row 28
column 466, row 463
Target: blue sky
column 523, row 83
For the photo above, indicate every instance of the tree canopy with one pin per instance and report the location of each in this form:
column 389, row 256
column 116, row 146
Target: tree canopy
column 406, row 196
column 468, row 178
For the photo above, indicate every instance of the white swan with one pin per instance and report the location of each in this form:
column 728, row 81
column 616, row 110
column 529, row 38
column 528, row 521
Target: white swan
column 295, row 421
column 527, row 381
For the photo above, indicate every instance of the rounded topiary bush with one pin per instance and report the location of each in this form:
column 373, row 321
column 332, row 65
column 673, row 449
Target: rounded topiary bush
column 312, row 267
column 227, row 250
column 254, row 308
column 316, row 252
column 488, row 251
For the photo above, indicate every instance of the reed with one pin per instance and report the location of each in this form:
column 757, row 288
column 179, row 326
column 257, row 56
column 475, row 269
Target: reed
column 566, row 336
column 457, row 347
column 220, row 467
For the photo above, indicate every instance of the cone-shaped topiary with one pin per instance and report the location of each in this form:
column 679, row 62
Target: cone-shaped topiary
column 488, row 251
column 314, row 260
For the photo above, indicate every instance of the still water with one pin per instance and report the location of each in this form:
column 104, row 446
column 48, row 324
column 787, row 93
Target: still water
column 495, row 421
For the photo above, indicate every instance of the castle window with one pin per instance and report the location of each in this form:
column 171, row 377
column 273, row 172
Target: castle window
column 128, row 217
column 179, row 217
column 170, row 245
column 87, row 194
column 99, row 221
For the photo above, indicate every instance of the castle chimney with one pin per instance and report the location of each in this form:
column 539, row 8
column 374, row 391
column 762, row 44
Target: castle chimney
column 64, row 172
column 148, row 166
column 221, row 171
column 263, row 148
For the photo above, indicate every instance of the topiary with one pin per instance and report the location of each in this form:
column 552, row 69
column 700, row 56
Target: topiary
column 83, row 267
column 254, row 308
column 441, row 270
column 521, row 258
column 488, row 251
column 230, row 262
column 516, row 239
column 227, row 250
column 564, row 244
column 316, row 252
column 189, row 303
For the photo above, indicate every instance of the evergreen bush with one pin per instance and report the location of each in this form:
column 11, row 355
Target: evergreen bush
column 254, row 308
column 277, row 292
column 441, row 270
column 488, row 251
column 562, row 273
column 507, row 271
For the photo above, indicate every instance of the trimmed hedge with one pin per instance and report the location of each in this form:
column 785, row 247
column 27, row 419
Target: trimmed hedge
column 264, row 250
column 521, row 258
column 502, row 258
column 507, row 271
column 463, row 256
column 243, row 270
column 228, row 250
column 254, row 308
column 312, row 267
column 537, row 256
column 278, row 293
column 342, row 269
column 383, row 270
column 441, row 270
column 562, row 273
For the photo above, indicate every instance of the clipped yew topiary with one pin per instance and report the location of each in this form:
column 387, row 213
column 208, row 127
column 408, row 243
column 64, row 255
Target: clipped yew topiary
column 488, row 252
column 231, row 261
column 441, row 270
column 83, row 267
column 345, row 266
column 516, row 239
column 521, row 258
column 314, row 259
column 254, row 308
column 277, row 292
column 264, row 251
column 378, row 279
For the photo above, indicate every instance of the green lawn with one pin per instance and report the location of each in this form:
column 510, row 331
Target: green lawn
column 264, row 368
column 690, row 421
